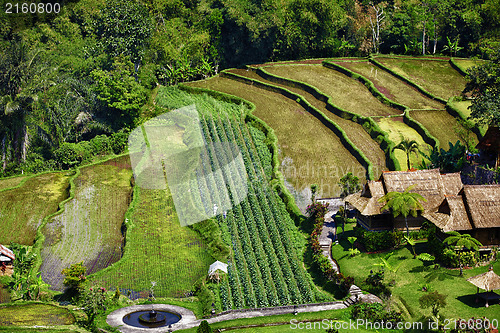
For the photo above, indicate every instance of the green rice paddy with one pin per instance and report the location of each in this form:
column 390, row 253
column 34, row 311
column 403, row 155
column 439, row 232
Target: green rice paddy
column 440, row 124
column 89, row 228
column 355, row 131
column 22, row 209
column 345, row 92
column 35, row 314
column 392, row 87
column 310, row 152
column 11, row 182
column 436, row 76
column 396, row 128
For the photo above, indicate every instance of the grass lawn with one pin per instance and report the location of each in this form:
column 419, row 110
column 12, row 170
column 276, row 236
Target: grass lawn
column 89, row 229
column 392, row 87
column 412, row 275
column 346, row 93
column 396, row 128
column 23, row 209
column 437, row 77
column 157, row 249
column 436, row 121
column 6, row 183
column 34, row 314
column 310, row 152
column 354, row 131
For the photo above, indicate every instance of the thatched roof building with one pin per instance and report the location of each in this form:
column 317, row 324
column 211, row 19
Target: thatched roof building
column 450, row 204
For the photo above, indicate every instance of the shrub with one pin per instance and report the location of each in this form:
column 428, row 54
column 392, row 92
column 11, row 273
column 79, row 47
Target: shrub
column 377, row 241
column 100, row 145
column 375, row 313
column 119, row 141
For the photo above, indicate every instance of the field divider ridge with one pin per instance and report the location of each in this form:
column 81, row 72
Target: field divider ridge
column 368, row 124
column 407, row 80
column 330, row 124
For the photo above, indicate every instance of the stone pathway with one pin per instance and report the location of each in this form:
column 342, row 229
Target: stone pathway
column 328, row 234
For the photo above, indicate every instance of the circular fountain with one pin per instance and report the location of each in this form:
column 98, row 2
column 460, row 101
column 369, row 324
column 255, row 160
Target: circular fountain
column 150, row 319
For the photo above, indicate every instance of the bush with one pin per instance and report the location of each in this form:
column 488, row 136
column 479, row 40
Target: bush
column 119, row 141
column 375, row 313
column 100, row 145
column 378, row 241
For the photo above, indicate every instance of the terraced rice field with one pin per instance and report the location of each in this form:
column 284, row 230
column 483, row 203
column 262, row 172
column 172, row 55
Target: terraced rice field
column 436, row 76
column 465, row 64
column 310, row 153
column 440, row 124
column 346, row 93
column 355, row 131
column 392, row 87
column 23, row 209
column 397, row 129
column 89, row 228
column 157, row 249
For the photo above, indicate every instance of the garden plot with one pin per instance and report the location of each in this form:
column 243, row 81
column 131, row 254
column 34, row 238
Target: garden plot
column 355, row 131
column 310, row 152
column 345, row 92
column 392, row 87
column 89, row 228
column 440, row 124
column 396, row 129
column 435, row 76
column 23, row 209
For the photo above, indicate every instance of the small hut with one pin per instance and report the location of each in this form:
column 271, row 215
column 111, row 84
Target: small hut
column 488, row 281
column 215, row 269
column 7, row 258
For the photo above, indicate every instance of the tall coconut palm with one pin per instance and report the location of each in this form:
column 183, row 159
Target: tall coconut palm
column 464, row 242
column 407, row 146
column 404, row 203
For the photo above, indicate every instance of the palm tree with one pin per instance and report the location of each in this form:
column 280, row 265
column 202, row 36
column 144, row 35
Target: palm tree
column 463, row 241
column 21, row 77
column 407, row 146
column 403, row 204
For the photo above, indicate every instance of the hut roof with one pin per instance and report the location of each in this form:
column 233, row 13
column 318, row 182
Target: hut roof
column 452, row 183
column 483, row 202
column 216, row 266
column 366, row 201
column 491, row 140
column 7, row 253
column 488, row 281
column 451, row 215
column 428, row 183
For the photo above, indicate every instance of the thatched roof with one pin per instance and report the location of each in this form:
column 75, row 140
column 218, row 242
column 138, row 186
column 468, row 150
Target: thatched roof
column 451, row 215
column 428, row 183
column 452, row 183
column 488, row 281
column 483, row 203
column 491, row 140
column 7, row 253
column 366, row 201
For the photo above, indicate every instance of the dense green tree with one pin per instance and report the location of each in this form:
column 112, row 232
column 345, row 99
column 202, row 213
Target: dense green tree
column 463, row 241
column 407, row 146
column 204, row 327
column 434, row 300
column 483, row 83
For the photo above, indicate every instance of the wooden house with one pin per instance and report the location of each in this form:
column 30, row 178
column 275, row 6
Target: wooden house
column 7, row 258
column 490, row 144
column 450, row 205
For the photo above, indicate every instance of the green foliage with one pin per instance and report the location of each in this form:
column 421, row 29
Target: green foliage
column 434, row 300
column 377, row 241
column 484, row 85
column 93, row 303
column 463, row 241
column 349, row 184
column 451, row 160
column 407, row 146
column 204, row 327
column 74, row 275
column 375, row 312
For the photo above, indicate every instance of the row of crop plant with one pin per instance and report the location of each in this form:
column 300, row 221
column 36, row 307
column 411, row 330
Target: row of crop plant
column 264, row 269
